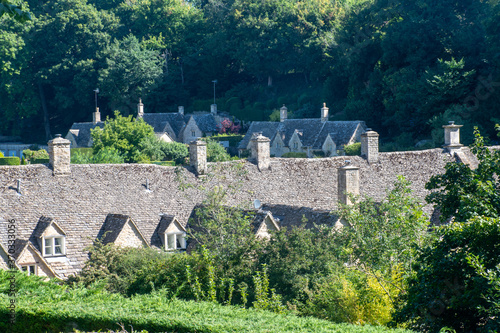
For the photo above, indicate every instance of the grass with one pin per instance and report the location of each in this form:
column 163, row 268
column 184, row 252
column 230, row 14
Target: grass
column 48, row 307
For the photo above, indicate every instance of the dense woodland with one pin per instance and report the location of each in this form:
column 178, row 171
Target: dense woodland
column 405, row 67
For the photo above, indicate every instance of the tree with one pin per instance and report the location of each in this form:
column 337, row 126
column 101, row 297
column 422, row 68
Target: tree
column 123, row 134
column 462, row 192
column 451, row 286
column 130, row 72
column 16, row 11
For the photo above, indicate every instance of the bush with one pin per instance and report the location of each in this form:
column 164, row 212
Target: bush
column 234, row 139
column 353, row 149
column 215, row 152
column 31, row 155
column 11, row 160
column 40, row 161
column 107, row 155
column 174, row 151
column 294, row 155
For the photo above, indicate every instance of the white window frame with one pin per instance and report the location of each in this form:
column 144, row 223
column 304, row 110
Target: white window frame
column 50, row 243
column 172, row 238
column 27, row 269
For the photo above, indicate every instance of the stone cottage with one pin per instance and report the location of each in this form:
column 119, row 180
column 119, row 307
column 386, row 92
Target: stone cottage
column 50, row 213
column 305, row 135
column 169, row 127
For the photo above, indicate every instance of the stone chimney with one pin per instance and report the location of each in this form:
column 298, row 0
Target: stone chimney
column 369, row 145
column 140, row 109
column 261, row 151
column 213, row 109
column 348, row 182
column 324, row 113
column 60, row 156
column 283, row 113
column 181, row 110
column 198, row 156
column 96, row 116
column 452, row 137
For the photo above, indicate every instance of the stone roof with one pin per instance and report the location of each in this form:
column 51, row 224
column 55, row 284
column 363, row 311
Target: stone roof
column 205, row 122
column 81, row 132
column 312, row 132
column 113, row 226
column 82, row 201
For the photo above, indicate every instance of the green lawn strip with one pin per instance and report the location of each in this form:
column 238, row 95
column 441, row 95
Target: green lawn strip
column 156, row 314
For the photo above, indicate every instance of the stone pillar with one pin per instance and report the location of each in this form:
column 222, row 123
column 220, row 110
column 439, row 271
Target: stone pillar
column 60, row 156
column 452, row 137
column 261, row 151
column 181, row 110
column 324, row 113
column 96, row 116
column 213, row 109
column 369, row 145
column 348, row 182
column 283, row 113
column 140, row 109
column 198, row 156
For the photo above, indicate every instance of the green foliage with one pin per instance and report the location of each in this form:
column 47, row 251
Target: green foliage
column 15, row 10
column 31, row 155
column 234, row 139
column 113, row 266
column 353, row 149
column 94, row 309
column 11, row 160
column 456, row 280
column 123, row 134
column 462, row 192
column 107, row 155
column 266, row 298
column 294, row 155
column 216, row 152
column 40, row 161
column 175, row 151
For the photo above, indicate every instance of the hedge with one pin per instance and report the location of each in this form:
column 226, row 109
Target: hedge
column 294, row 155
column 164, row 163
column 40, row 161
column 11, row 160
column 234, row 139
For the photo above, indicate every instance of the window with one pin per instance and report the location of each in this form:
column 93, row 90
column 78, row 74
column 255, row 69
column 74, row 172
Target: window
column 295, row 145
column 30, row 269
column 175, row 241
column 53, row 246
column 193, row 133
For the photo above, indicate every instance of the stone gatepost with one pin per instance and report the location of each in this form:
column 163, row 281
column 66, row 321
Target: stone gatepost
column 198, row 156
column 96, row 116
column 60, row 156
column 369, row 145
column 261, row 151
column 348, row 182
column 452, row 137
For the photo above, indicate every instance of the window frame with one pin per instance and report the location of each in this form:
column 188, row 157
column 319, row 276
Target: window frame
column 176, row 238
column 27, row 268
column 52, row 246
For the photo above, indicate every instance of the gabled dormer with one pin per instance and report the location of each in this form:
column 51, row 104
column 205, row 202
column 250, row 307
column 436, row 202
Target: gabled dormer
column 191, row 132
column 122, row 231
column 278, row 146
column 172, row 233
column 50, row 238
column 263, row 224
column 31, row 261
column 295, row 143
column 329, row 147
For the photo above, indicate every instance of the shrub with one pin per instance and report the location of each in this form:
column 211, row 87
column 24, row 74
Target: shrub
column 353, row 149
column 174, row 151
column 40, row 161
column 11, row 160
column 215, row 152
column 31, row 155
column 107, row 155
column 1, row 154
column 294, row 155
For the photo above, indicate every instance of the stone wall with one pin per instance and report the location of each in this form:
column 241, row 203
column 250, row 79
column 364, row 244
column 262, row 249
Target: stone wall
column 80, row 202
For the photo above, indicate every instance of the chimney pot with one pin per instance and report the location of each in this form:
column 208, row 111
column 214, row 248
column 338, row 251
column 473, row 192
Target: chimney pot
column 60, row 156
column 283, row 113
column 261, row 152
column 369, row 145
column 198, row 156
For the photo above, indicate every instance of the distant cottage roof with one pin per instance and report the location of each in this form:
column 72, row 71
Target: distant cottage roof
column 311, row 132
column 81, row 132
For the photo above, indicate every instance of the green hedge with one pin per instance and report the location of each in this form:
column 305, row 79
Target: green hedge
column 294, row 155
column 234, row 139
column 11, row 160
column 353, row 149
column 40, row 161
column 48, row 307
column 164, row 163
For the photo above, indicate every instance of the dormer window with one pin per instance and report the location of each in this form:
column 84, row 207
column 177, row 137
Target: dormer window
column 175, row 241
column 30, row 269
column 54, row 246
